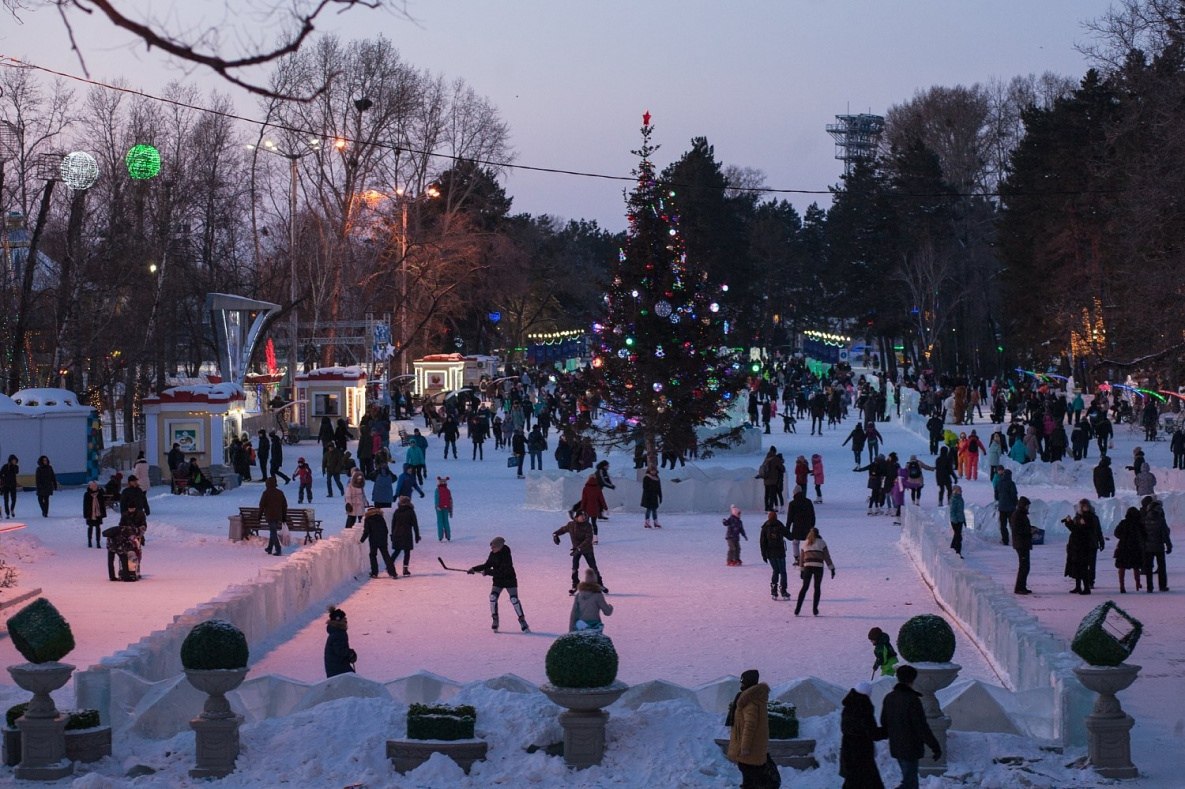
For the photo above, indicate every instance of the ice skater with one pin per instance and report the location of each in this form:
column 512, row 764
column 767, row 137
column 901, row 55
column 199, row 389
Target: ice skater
column 444, row 510
column 814, row 555
column 580, row 534
column 734, row 530
column 374, row 531
column 405, row 532
column 499, row 565
column 773, row 553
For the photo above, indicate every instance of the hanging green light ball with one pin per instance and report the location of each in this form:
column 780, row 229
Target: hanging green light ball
column 143, row 162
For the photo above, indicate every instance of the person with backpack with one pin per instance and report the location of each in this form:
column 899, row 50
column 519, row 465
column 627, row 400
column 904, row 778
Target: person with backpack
column 444, row 510
column 304, row 481
column 914, row 480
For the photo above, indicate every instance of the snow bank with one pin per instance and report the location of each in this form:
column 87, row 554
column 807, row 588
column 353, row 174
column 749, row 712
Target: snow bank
column 261, row 608
column 1037, row 663
column 691, row 488
column 1048, row 513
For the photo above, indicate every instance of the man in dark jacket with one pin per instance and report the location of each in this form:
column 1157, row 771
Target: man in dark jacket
column 904, row 721
column 580, row 533
column 133, row 494
column 405, row 531
column 945, row 475
column 1022, row 543
column 857, row 750
column 1006, row 499
column 800, row 519
column 1157, row 542
column 263, row 449
column 175, row 458
column 374, row 530
column 499, row 565
column 277, row 458
column 1104, row 479
column 773, row 553
column 339, row 658
column 450, row 431
column 273, row 510
column 935, row 427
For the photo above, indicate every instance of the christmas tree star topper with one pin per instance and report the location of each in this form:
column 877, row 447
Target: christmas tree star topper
column 646, row 118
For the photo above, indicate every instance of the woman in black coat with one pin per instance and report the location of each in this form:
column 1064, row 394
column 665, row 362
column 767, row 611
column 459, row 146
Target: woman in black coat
column 857, row 750
column 1104, row 480
column 405, row 531
column 94, row 510
column 1079, row 547
column 339, row 658
column 46, row 482
column 651, row 497
column 1129, row 550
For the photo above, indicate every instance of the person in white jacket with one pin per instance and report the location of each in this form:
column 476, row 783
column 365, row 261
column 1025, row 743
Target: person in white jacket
column 356, row 503
column 140, row 469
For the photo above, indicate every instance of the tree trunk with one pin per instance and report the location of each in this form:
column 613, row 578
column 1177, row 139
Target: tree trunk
column 22, row 315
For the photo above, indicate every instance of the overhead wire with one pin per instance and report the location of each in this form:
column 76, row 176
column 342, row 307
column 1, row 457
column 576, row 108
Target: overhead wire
column 13, row 62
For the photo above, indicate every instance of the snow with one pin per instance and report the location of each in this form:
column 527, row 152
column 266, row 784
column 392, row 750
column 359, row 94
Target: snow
column 684, row 623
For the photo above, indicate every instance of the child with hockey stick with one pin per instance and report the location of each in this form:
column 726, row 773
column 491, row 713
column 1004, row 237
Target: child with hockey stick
column 499, row 565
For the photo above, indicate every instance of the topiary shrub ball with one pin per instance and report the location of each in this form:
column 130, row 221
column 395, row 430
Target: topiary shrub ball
column 926, row 639
column 582, row 660
column 40, row 633
column 214, row 644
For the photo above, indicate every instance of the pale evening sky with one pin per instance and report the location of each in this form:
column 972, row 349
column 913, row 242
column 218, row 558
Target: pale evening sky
column 759, row 78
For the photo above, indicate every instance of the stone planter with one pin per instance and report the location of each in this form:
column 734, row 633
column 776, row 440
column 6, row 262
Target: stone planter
column 584, row 722
column 407, row 755
column 1108, row 727
column 217, row 728
column 799, row 754
column 82, row 745
column 933, row 677
column 42, row 727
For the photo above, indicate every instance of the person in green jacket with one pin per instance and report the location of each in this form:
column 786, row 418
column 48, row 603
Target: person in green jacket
column 882, row 650
column 958, row 519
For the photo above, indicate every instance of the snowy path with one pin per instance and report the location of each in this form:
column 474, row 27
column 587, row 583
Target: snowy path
column 681, row 614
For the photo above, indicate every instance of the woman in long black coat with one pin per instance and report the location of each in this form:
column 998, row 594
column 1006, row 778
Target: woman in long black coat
column 857, row 750
column 46, row 482
column 1078, row 549
column 405, row 532
column 1129, row 550
column 339, row 658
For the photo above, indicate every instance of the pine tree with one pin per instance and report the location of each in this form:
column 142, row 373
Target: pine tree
column 661, row 355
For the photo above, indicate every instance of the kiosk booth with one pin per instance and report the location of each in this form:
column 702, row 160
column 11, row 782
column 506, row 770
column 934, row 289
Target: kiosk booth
column 440, row 372
column 335, row 392
column 202, row 419
column 51, row 422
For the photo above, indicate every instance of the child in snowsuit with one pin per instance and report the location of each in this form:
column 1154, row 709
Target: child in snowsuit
column 444, row 509
column 734, row 530
column 882, row 651
column 304, row 478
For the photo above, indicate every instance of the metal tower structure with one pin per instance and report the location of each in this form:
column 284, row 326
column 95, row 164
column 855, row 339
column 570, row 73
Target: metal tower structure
column 856, row 138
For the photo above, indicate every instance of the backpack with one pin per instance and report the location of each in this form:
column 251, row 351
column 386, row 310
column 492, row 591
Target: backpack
column 915, row 470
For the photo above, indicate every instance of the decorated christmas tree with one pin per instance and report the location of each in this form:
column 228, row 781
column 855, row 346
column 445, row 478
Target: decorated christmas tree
column 661, row 356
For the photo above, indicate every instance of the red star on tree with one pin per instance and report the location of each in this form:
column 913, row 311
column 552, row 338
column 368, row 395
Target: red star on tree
column 646, row 118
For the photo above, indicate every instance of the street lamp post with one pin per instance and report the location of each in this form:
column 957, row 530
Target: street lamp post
column 406, row 200
column 293, row 158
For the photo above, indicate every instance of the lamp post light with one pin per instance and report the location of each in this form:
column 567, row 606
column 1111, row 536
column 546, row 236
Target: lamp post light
column 313, row 146
column 405, row 200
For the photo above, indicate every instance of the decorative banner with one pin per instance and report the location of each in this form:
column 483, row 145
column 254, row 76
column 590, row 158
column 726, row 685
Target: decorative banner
column 143, row 162
column 79, row 170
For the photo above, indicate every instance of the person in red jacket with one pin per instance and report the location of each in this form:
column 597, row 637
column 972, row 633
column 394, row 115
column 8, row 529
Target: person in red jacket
column 592, row 502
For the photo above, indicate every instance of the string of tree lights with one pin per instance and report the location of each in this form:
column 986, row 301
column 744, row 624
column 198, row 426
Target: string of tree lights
column 9, row 61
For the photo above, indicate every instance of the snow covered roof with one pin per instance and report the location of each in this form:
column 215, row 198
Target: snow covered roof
column 351, row 373
column 199, row 393
column 45, row 400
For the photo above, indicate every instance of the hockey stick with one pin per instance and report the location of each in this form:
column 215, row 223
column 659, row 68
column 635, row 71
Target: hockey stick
column 451, row 569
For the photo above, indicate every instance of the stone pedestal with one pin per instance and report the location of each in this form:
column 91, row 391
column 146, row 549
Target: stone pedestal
column 933, row 677
column 1108, row 727
column 584, row 722
column 217, row 728
column 407, row 755
column 799, row 754
column 42, row 727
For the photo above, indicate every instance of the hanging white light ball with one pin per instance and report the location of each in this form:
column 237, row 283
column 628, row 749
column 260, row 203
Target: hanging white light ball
column 79, row 170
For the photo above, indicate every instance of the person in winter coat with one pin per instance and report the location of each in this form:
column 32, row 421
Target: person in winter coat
column 374, row 531
column 1104, row 479
column 46, row 483
column 339, row 658
column 304, row 481
column 859, row 733
column 325, row 433
column 592, row 502
column 518, row 448
column 958, row 519
column 914, row 479
column 355, row 496
column 814, row 555
column 8, row 485
column 263, row 451
column 884, row 656
column 1006, row 499
column 857, row 439
column 588, row 604
column 748, row 724
column 773, row 553
column 342, row 435
column 1085, row 540
column 416, row 457
column 802, row 471
column 935, row 427
column 944, row 473
column 276, row 458
column 580, row 534
column 444, row 510
column 876, row 494
column 93, row 512
column 563, row 453
column 331, row 462
column 1157, row 543
column 995, row 449
column 817, row 476
column 122, row 543
column 771, row 477
column 904, row 721
column 800, row 519
column 1145, row 481
column 537, row 445
column 1022, row 543
column 406, row 483
column 134, row 494
column 651, row 497
column 1129, row 547
column 273, row 507
column 176, row 457
column 450, row 431
column 383, row 492
column 734, row 530
column 405, row 532
column 499, row 566
column 872, row 440
column 140, row 469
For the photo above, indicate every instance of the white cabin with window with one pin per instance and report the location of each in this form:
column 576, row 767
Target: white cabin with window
column 335, row 392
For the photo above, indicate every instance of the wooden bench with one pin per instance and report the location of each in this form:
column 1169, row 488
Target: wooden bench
column 252, row 520
column 111, row 501
column 303, row 520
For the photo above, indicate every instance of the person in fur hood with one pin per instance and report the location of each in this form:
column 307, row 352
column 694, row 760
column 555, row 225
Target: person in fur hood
column 748, row 723
column 339, row 658
column 588, row 605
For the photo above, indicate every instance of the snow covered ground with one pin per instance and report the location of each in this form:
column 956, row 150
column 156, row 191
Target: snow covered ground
column 682, row 616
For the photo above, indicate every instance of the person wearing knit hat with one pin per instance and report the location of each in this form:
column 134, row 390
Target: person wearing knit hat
column 304, row 479
column 748, row 723
column 339, row 658
column 499, row 566
column 444, row 510
column 859, row 733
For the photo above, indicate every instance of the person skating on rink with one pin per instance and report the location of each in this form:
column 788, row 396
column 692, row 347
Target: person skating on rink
column 499, row 566
column 580, row 533
column 734, row 530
